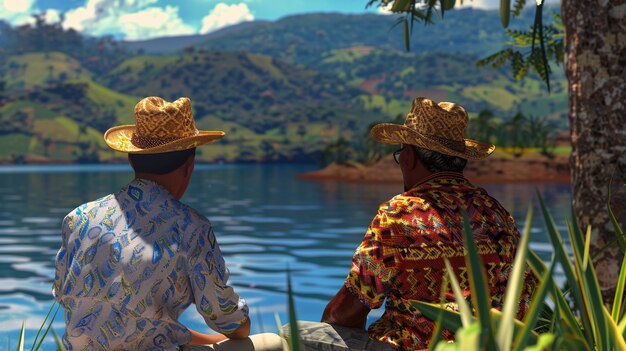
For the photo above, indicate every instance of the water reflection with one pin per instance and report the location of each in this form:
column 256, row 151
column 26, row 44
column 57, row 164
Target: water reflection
column 264, row 218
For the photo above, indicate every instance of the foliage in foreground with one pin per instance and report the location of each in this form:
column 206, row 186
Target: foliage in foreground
column 38, row 341
column 588, row 325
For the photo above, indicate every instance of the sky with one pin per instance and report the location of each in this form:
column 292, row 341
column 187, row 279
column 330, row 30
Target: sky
column 145, row 19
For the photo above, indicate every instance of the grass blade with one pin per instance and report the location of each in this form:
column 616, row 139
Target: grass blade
column 47, row 329
column 617, row 339
column 42, row 325
column 539, row 268
column 514, row 288
column 619, row 232
column 591, row 290
column 464, row 310
column 533, row 312
column 478, row 284
column 294, row 339
column 279, row 324
column 619, row 292
column 436, row 335
column 563, row 258
column 57, row 341
column 450, row 319
column 20, row 341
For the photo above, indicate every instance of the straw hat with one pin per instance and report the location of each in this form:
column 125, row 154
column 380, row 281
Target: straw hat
column 434, row 126
column 160, row 126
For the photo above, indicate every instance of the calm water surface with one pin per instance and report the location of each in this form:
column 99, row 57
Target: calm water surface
column 264, row 218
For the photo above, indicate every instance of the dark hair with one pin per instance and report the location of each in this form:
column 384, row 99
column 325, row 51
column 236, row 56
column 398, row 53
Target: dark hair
column 438, row 162
column 162, row 163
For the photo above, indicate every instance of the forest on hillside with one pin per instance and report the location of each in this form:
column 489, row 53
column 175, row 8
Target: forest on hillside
column 278, row 100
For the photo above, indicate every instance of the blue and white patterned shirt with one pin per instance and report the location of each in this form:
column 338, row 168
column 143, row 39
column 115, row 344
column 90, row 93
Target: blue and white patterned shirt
column 130, row 263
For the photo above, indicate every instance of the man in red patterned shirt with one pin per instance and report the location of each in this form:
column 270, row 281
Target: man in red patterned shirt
column 401, row 258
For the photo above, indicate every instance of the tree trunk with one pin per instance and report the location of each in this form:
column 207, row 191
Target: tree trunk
column 595, row 65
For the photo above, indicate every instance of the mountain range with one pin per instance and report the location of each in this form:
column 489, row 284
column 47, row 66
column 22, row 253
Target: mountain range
column 282, row 90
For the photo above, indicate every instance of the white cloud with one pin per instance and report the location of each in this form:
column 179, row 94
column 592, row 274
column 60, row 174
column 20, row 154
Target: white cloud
column 17, row 5
column 385, row 10
column 224, row 15
column 495, row 4
column 16, row 11
column 153, row 22
column 52, row 16
column 129, row 19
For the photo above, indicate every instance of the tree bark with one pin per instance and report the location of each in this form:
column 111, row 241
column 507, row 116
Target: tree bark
column 595, row 65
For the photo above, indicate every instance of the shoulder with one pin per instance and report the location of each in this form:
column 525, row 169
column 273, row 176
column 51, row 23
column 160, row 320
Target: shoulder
column 90, row 208
column 402, row 204
column 196, row 217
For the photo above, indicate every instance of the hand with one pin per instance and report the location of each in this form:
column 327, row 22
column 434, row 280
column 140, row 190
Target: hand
column 198, row 338
column 345, row 309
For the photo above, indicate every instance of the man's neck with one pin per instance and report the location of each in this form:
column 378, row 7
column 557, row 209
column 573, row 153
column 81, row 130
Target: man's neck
column 165, row 180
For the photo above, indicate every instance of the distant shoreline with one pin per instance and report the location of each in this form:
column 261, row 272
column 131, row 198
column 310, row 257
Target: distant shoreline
column 499, row 168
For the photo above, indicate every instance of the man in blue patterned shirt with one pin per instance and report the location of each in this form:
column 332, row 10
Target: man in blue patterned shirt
column 131, row 262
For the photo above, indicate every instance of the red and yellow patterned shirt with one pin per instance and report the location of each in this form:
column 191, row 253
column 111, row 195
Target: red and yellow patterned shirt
column 401, row 256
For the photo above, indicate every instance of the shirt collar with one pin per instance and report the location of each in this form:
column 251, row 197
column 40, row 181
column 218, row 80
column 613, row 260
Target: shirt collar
column 438, row 175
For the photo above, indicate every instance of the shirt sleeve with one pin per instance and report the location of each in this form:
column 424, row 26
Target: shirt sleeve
column 222, row 308
column 60, row 261
column 369, row 275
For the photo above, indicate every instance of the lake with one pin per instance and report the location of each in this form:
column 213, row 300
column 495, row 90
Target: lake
column 264, row 218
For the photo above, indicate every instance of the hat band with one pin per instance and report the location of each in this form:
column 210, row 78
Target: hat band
column 146, row 143
column 456, row 145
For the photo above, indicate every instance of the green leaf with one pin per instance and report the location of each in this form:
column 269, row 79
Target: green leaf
column 496, row 60
column 563, row 258
column 401, row 6
column 544, row 343
column 407, row 42
column 468, row 338
column 436, row 335
column 464, row 310
column 619, row 292
column 42, row 325
column 59, row 344
column 294, row 340
column 514, row 288
column 20, row 341
column 505, row 12
column 619, row 233
column 478, row 285
column 594, row 302
column 535, row 308
column 278, row 322
column 451, row 319
column 518, row 7
column 616, row 339
column 448, row 4
column 48, row 328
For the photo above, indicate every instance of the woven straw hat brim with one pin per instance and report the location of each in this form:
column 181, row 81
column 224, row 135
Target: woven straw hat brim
column 390, row 133
column 119, row 138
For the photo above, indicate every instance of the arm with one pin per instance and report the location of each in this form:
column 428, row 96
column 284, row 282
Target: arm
column 242, row 332
column 345, row 309
column 60, row 261
column 198, row 338
column 366, row 286
column 222, row 308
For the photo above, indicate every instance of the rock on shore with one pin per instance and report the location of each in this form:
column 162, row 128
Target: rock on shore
column 500, row 167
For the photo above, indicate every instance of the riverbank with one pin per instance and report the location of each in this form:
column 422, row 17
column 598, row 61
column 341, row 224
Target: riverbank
column 500, row 167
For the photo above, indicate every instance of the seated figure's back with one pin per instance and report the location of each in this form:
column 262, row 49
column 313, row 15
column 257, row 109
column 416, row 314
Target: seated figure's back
column 131, row 263
column 402, row 256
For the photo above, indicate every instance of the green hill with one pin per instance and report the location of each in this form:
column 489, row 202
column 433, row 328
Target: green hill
column 281, row 90
column 37, row 68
